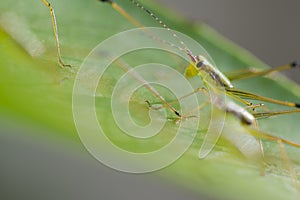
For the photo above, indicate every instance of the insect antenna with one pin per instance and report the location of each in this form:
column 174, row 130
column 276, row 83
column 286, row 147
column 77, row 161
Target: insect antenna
column 157, row 19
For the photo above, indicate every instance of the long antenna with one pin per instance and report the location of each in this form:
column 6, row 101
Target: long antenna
column 187, row 50
column 157, row 19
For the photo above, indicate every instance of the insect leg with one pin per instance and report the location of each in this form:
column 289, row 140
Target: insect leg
column 274, row 113
column 252, row 72
column 249, row 95
column 124, row 66
column 54, row 27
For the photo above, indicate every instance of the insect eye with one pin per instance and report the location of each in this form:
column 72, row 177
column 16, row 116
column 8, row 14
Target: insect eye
column 199, row 64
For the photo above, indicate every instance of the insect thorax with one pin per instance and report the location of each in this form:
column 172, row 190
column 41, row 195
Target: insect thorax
column 209, row 71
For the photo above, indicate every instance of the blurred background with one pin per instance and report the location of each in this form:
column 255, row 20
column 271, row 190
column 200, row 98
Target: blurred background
column 38, row 167
column 269, row 29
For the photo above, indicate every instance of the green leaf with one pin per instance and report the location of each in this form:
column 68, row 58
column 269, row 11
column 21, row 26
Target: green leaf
column 33, row 87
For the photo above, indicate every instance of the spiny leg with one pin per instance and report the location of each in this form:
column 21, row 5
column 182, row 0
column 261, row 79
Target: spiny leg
column 249, row 95
column 274, row 113
column 248, row 104
column 252, row 72
column 54, row 27
column 238, row 94
column 236, row 97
